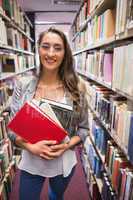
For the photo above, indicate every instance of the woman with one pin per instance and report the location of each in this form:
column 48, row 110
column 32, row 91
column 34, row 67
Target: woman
column 56, row 81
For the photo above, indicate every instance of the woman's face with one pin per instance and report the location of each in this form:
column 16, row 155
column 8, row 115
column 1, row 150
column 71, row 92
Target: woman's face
column 51, row 51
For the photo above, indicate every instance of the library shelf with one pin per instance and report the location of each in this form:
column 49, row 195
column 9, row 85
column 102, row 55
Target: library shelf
column 10, row 48
column 98, row 44
column 100, row 82
column 98, row 180
column 11, row 75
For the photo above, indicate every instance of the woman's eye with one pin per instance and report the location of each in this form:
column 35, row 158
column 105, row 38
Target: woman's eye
column 58, row 48
column 44, row 46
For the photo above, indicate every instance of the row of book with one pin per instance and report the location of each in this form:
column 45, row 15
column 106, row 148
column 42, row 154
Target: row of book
column 93, row 4
column 115, row 114
column 4, row 119
column 120, row 170
column 11, row 9
column 122, row 69
column 7, row 181
column 15, row 63
column 107, row 190
column 12, row 37
column 85, row 12
column 119, row 20
column 112, row 68
column 95, row 162
column 96, row 65
column 124, row 17
column 81, row 41
column 81, row 17
column 116, row 174
column 114, row 160
column 3, row 32
column 99, row 136
column 97, row 30
column 3, row 97
column 91, row 181
column 6, row 154
column 104, row 185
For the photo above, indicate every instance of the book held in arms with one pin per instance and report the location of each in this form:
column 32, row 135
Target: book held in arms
column 63, row 112
column 34, row 124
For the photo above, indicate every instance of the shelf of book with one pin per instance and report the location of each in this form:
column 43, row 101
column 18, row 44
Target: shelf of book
column 6, row 47
column 16, row 58
column 13, row 24
column 99, row 7
column 7, row 180
column 98, row 44
column 10, row 75
column 102, row 157
column 94, row 190
column 75, row 18
column 114, row 137
column 127, row 34
column 119, row 15
column 81, row 28
column 96, row 80
column 21, row 31
column 98, row 180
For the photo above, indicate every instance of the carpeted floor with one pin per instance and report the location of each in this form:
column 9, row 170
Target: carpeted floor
column 77, row 189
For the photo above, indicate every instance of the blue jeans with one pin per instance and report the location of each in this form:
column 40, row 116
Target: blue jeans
column 31, row 186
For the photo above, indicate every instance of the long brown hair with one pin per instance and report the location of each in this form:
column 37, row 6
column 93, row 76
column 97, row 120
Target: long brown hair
column 67, row 73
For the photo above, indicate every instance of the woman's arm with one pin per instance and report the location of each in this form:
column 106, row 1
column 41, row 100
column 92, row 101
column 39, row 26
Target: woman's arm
column 41, row 149
column 59, row 149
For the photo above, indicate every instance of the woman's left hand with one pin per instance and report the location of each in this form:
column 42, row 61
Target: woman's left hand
column 59, row 149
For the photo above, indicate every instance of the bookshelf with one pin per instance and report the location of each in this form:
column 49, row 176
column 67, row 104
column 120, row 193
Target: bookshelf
column 102, row 41
column 16, row 60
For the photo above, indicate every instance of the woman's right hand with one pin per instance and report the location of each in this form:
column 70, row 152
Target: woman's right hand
column 42, row 149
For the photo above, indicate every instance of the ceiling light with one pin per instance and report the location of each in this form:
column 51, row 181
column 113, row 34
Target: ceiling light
column 66, row 2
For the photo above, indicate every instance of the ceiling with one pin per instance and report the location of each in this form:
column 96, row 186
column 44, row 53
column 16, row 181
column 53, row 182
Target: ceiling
column 47, row 10
column 48, row 5
column 48, row 13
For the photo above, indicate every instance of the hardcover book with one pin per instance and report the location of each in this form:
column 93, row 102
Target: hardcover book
column 34, row 125
column 63, row 112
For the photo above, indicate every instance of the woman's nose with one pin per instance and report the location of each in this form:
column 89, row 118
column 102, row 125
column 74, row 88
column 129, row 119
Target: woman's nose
column 51, row 51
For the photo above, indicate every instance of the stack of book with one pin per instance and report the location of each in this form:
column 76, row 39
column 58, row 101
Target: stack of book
column 47, row 121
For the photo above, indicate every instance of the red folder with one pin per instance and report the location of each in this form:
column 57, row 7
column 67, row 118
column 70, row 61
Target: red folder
column 34, row 125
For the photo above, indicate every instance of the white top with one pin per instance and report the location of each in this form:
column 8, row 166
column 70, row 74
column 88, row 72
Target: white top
column 48, row 168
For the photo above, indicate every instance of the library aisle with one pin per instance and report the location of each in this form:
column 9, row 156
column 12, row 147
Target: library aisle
column 77, row 189
column 100, row 33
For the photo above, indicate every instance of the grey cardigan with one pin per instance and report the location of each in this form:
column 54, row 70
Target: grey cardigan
column 24, row 90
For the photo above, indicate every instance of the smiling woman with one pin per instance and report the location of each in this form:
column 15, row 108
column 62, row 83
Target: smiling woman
column 51, row 51
column 56, row 81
